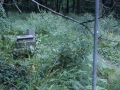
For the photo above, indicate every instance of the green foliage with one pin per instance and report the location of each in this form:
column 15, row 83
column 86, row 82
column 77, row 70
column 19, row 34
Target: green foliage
column 106, row 72
column 110, row 50
column 2, row 21
column 62, row 49
column 4, row 25
column 114, row 84
column 61, row 58
column 13, row 75
column 97, row 88
column 2, row 12
column 108, row 26
column 23, row 52
column 74, row 52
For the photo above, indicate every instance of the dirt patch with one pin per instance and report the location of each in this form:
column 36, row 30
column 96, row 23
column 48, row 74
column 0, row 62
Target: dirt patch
column 111, row 65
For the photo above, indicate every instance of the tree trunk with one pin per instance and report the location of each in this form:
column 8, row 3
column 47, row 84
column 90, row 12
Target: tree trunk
column 41, row 2
column 46, row 1
column 67, row 8
column 78, row 6
column 73, row 8
column 6, row 7
column 27, row 5
column 58, row 6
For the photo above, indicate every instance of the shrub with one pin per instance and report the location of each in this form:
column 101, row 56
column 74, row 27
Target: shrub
column 3, row 24
column 2, row 12
column 110, row 50
column 114, row 84
column 11, row 75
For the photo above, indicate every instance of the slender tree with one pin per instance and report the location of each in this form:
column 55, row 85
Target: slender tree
column 73, row 6
column 5, row 6
column 46, row 1
column 67, row 8
column 78, row 6
column 57, row 5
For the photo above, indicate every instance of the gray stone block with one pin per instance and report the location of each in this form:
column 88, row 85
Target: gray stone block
column 26, row 40
column 31, row 32
column 25, row 37
column 25, row 43
column 30, row 43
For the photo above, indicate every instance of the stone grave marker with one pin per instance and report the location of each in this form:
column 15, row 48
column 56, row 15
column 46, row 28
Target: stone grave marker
column 26, row 40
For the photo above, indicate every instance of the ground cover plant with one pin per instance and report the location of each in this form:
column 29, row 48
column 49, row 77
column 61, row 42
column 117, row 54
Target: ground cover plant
column 109, row 47
column 61, row 59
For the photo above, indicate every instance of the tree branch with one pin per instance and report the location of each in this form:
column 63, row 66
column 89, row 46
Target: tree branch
column 40, row 12
column 17, row 7
column 55, row 12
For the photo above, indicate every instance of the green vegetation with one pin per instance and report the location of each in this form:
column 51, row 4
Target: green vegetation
column 2, row 12
column 109, row 47
column 62, row 58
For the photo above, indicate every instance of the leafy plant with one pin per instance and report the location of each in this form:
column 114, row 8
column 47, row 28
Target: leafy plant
column 2, row 12
column 110, row 50
column 114, row 84
column 11, row 75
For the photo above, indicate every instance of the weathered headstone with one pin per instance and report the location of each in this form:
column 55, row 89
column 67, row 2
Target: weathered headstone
column 26, row 40
column 31, row 32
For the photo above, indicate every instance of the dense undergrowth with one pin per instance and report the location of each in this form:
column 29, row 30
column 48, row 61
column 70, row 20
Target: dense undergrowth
column 109, row 46
column 61, row 59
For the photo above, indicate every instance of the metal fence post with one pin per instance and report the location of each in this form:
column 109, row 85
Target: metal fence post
column 94, row 80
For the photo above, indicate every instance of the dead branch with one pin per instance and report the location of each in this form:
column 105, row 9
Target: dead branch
column 17, row 7
column 56, row 12
column 40, row 12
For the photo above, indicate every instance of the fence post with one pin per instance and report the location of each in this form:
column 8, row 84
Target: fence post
column 94, row 80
